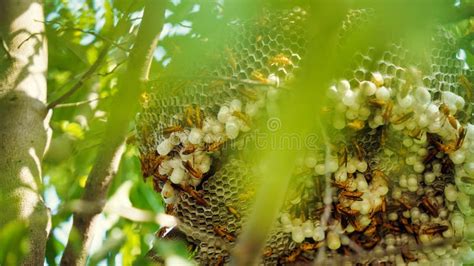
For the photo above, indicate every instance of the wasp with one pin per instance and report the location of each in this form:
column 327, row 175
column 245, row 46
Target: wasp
column 391, row 227
column 444, row 109
column 343, row 156
column 257, row 75
column 356, row 125
column 359, row 150
column 341, row 185
column 416, row 133
column 242, row 117
column 249, row 93
column 372, row 242
column 467, row 85
column 172, row 129
column 222, row 232
column 408, row 227
column 405, row 203
column 150, row 163
column 194, row 172
column 198, row 116
column 267, row 252
column 188, row 115
column 377, row 103
column 194, row 194
column 461, row 136
column 357, row 226
column 145, row 98
column 215, row 146
column 293, row 255
column 376, row 173
column 388, row 112
column 407, row 255
column 193, row 116
column 436, row 229
column 453, row 146
column 233, row 211
column 429, row 206
column 189, row 149
column 370, row 230
column 403, row 118
column 311, row 246
column 352, row 195
column 346, row 211
column 280, row 60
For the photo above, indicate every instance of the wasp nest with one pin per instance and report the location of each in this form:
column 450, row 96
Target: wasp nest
column 398, row 182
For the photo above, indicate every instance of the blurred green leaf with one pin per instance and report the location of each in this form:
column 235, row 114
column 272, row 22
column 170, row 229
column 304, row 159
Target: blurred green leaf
column 13, row 243
column 72, row 129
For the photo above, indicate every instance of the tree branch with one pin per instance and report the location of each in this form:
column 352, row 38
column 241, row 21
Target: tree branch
column 84, row 78
column 89, row 73
column 76, row 104
column 111, row 42
column 109, row 155
column 24, row 130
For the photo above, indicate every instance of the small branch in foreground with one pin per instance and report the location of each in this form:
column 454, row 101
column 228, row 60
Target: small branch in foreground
column 88, row 74
column 29, row 38
column 113, row 69
column 76, row 104
column 90, row 32
column 249, row 82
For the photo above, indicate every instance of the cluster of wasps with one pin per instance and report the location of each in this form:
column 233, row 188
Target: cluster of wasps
column 150, row 163
column 414, row 78
column 370, row 236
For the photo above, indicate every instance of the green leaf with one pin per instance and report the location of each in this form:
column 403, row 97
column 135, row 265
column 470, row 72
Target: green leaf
column 73, row 129
column 13, row 243
column 127, row 6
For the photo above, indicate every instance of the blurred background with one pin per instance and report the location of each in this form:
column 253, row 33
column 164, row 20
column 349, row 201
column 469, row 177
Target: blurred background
column 78, row 31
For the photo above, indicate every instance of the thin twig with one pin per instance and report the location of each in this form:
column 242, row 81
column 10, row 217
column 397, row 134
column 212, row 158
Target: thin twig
column 96, row 35
column 5, row 48
column 29, row 38
column 113, row 69
column 76, row 104
column 90, row 32
column 248, row 82
column 83, row 79
column 327, row 194
column 185, row 26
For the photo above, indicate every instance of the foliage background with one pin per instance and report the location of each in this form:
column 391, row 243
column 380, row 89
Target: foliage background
column 77, row 31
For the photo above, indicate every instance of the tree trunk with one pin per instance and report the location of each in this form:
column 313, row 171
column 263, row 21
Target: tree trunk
column 24, row 131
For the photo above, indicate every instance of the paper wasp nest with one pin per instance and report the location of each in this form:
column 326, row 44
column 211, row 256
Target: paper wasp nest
column 400, row 176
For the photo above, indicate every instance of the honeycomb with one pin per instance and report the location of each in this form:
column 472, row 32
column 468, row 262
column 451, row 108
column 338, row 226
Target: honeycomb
column 212, row 204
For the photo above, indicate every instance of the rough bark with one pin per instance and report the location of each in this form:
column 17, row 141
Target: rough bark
column 123, row 110
column 23, row 120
